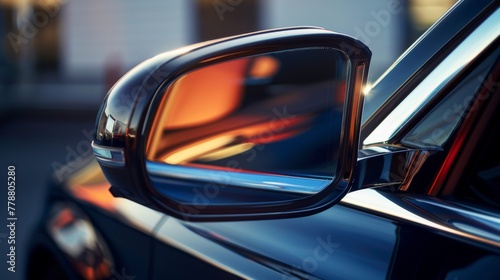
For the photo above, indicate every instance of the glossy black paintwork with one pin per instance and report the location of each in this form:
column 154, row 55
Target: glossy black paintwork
column 339, row 249
column 343, row 242
column 364, row 242
column 287, row 248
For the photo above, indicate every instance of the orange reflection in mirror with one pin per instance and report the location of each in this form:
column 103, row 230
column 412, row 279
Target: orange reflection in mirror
column 204, row 95
column 264, row 67
column 278, row 112
column 234, row 142
column 199, row 97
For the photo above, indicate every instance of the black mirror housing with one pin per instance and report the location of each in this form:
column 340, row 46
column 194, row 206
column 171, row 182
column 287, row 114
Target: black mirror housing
column 127, row 126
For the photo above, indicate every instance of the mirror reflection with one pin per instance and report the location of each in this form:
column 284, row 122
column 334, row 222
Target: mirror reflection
column 277, row 113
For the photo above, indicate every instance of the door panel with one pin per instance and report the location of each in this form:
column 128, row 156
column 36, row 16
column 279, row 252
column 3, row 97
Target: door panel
column 340, row 243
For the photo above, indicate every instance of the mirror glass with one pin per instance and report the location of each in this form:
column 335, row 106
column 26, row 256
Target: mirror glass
column 270, row 121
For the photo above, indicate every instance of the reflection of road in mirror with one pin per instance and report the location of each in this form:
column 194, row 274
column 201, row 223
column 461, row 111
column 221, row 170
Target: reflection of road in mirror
column 263, row 112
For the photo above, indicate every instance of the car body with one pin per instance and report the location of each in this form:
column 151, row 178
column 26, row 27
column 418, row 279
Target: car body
column 434, row 114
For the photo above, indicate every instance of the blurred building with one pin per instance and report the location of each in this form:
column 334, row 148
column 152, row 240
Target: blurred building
column 65, row 54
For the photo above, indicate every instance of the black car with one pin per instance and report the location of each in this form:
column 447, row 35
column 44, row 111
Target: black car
column 267, row 156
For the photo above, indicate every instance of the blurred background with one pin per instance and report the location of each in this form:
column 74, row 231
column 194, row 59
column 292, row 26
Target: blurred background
column 65, row 54
column 58, row 58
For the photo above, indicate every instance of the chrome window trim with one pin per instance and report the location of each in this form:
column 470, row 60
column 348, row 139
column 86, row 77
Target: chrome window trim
column 271, row 182
column 438, row 79
column 444, row 216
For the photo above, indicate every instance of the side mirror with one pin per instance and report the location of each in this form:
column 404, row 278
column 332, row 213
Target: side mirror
column 261, row 125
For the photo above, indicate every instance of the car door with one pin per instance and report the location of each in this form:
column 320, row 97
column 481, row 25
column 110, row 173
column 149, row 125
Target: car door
column 455, row 192
column 433, row 224
column 454, row 196
column 373, row 234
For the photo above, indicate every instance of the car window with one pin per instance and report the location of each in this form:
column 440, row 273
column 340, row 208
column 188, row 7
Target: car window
column 482, row 184
column 405, row 105
column 472, row 110
column 433, row 131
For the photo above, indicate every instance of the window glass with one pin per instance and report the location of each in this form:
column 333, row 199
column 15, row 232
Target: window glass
column 436, row 128
column 483, row 185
